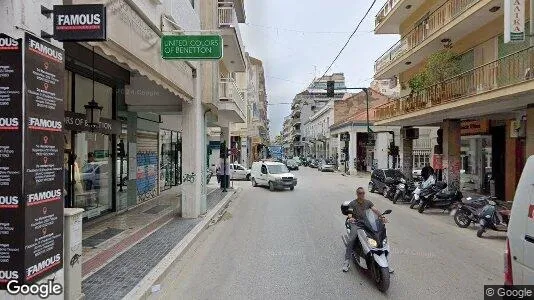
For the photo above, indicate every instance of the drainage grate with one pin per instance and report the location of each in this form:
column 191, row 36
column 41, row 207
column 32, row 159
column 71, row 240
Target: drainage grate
column 156, row 209
column 101, row 237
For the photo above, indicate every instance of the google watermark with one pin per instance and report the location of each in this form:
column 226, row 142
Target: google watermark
column 508, row 292
column 42, row 290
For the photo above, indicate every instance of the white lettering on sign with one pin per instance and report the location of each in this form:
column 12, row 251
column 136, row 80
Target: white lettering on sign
column 9, row 123
column 44, row 197
column 83, row 19
column 43, row 266
column 6, row 276
column 8, row 44
column 44, row 124
column 45, row 50
column 9, row 201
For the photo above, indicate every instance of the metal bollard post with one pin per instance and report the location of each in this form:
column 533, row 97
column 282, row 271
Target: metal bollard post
column 72, row 252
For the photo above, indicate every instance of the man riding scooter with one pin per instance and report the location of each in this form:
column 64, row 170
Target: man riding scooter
column 429, row 179
column 358, row 208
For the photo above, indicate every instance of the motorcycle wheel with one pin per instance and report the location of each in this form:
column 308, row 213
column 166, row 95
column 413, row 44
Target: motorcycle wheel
column 396, row 198
column 461, row 218
column 414, row 203
column 421, row 208
column 371, row 187
column 381, row 278
column 480, row 232
column 385, row 192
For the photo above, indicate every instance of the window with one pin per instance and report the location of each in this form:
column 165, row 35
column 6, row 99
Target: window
column 263, row 170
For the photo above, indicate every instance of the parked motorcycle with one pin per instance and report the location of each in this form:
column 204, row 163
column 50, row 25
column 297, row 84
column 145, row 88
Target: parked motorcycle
column 391, row 187
column 493, row 216
column 371, row 249
column 468, row 211
column 404, row 191
column 437, row 198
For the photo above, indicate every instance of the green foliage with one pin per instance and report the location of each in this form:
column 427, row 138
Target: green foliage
column 440, row 66
column 418, row 82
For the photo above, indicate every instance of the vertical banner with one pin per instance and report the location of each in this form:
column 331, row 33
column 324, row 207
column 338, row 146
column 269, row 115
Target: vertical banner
column 11, row 202
column 44, row 67
column 514, row 21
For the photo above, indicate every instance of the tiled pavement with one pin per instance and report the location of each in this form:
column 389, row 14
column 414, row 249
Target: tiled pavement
column 117, row 278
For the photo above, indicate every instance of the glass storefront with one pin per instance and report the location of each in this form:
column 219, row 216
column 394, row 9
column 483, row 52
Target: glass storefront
column 171, row 159
column 476, row 158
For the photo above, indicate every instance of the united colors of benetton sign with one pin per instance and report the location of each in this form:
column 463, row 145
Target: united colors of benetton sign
column 198, row 47
column 85, row 22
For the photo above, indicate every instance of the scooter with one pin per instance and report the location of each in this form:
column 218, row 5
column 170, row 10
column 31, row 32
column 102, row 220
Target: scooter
column 437, row 198
column 371, row 249
column 468, row 211
column 391, row 188
column 493, row 216
column 404, row 191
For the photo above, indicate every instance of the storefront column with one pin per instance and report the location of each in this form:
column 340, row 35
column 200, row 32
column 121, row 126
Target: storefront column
column 193, row 156
column 406, row 149
column 451, row 153
column 352, row 152
column 530, row 131
column 132, row 159
column 510, row 178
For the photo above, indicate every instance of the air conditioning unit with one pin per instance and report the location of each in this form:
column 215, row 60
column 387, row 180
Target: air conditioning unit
column 411, row 133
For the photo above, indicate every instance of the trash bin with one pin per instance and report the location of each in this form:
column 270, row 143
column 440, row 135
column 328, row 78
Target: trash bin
column 225, row 181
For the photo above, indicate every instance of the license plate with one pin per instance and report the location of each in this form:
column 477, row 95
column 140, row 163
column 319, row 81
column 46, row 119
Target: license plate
column 453, row 212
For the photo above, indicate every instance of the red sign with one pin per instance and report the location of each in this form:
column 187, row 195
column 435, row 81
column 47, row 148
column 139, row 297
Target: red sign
column 531, row 211
column 437, row 161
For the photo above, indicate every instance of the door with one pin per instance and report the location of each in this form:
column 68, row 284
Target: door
column 264, row 175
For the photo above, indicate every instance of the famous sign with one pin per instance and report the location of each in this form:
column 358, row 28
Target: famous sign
column 85, row 22
column 192, row 47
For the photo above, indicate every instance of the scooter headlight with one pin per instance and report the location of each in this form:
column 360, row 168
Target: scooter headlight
column 372, row 242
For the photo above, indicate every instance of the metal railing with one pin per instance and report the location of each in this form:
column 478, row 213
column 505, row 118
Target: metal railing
column 227, row 15
column 228, row 91
column 385, row 10
column 444, row 14
column 509, row 70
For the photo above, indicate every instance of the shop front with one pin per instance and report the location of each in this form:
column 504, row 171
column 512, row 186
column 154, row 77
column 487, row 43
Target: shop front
column 90, row 155
column 476, row 156
column 170, row 159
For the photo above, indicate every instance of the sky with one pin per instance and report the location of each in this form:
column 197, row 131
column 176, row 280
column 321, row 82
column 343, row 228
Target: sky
column 298, row 39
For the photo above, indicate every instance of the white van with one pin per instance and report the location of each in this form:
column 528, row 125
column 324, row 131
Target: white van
column 275, row 175
column 519, row 252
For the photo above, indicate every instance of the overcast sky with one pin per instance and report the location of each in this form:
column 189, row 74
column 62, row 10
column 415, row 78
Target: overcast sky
column 293, row 37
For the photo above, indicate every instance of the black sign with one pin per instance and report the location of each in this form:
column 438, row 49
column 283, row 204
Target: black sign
column 43, row 157
column 11, row 202
column 85, row 22
column 78, row 122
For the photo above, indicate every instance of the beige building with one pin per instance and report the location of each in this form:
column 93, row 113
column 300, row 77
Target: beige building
column 457, row 72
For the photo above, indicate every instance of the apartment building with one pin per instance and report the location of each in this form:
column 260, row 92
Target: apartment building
column 458, row 70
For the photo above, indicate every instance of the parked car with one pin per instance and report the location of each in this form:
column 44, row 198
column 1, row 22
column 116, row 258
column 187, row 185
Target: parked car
column 272, row 174
column 297, row 160
column 326, row 166
column 314, row 163
column 292, row 164
column 518, row 262
column 95, row 175
column 239, row 172
column 383, row 179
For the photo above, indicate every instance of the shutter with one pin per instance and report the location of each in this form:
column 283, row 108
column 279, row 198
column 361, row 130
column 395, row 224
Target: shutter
column 147, row 165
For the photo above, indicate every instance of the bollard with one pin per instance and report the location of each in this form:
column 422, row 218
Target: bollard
column 72, row 253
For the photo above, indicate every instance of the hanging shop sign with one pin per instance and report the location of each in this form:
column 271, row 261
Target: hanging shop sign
column 86, row 22
column 192, row 47
column 474, row 127
column 514, row 21
column 78, row 122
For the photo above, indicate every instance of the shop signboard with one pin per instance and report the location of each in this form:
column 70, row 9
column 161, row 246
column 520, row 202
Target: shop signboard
column 44, row 67
column 78, row 122
column 474, row 127
column 514, row 21
column 11, row 202
column 85, row 22
column 192, row 47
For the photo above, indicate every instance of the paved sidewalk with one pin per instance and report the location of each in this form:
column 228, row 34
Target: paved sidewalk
column 117, row 278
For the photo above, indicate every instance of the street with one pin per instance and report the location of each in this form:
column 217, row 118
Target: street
column 287, row 245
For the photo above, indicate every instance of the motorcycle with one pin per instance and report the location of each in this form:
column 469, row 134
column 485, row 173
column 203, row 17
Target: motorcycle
column 391, row 187
column 493, row 216
column 404, row 191
column 468, row 211
column 371, row 249
column 437, row 198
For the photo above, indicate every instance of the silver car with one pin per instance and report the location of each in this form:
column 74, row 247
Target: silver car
column 326, row 166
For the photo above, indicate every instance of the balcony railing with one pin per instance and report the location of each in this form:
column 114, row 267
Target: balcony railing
column 228, row 91
column 227, row 15
column 509, row 70
column 385, row 10
column 447, row 12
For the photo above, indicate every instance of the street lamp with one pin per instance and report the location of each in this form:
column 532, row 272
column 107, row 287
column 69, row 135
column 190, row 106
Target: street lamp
column 92, row 109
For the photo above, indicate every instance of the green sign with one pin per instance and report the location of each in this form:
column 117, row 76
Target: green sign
column 191, row 47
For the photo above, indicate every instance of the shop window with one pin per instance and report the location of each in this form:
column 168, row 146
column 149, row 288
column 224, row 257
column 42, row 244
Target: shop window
column 84, row 93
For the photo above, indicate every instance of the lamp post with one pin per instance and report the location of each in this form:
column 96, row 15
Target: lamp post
column 92, row 109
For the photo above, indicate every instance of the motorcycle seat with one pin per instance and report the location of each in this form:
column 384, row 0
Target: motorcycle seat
column 444, row 195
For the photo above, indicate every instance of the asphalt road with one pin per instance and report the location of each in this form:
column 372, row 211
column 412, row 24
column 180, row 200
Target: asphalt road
column 287, row 245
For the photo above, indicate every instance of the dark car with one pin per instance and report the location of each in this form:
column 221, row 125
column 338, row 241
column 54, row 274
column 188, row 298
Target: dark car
column 292, row 164
column 382, row 178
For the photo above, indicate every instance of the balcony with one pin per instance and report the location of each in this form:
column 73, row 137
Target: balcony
column 295, row 114
column 453, row 20
column 231, row 104
column 495, row 88
column 228, row 23
column 393, row 13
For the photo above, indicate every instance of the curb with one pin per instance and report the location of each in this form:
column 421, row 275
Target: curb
column 143, row 289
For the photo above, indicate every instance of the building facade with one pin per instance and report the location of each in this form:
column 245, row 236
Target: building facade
column 480, row 92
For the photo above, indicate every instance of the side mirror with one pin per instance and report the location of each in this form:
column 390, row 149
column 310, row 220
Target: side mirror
column 387, row 212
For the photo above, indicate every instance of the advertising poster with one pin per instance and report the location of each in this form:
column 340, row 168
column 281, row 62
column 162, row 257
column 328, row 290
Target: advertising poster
column 43, row 156
column 11, row 202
